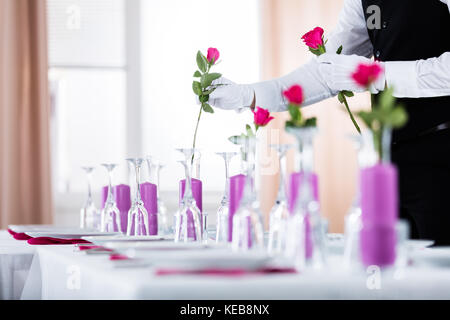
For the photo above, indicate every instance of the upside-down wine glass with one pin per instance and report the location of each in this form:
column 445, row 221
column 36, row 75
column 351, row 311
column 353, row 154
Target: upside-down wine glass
column 137, row 216
column 188, row 210
column 353, row 223
column 110, row 217
column 89, row 214
column 155, row 168
column 279, row 215
column 305, row 240
column 248, row 232
column 223, row 210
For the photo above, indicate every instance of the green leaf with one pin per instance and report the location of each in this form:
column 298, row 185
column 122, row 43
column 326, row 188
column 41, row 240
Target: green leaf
column 387, row 99
column 204, row 98
column 348, row 93
column 197, row 88
column 208, row 78
column 398, row 117
column 311, row 122
column 367, row 117
column 208, row 92
column 249, row 130
column 341, row 97
column 339, row 50
column 317, row 52
column 197, row 74
column 235, row 139
column 201, row 61
column 207, row 108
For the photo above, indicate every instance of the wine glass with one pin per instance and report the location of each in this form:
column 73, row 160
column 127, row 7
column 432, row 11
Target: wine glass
column 110, row 216
column 279, row 214
column 155, row 167
column 188, row 226
column 137, row 216
column 248, row 232
column 89, row 215
column 305, row 242
column 222, row 212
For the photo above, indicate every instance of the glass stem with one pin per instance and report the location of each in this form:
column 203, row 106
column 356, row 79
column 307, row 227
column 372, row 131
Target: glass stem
column 109, row 199
column 89, row 182
column 138, row 184
column 157, row 182
column 386, row 137
column 227, row 181
column 188, row 189
column 281, row 190
column 250, row 159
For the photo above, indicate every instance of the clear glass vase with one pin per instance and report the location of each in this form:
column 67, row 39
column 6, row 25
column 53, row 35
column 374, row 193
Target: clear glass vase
column 306, row 230
column 378, row 237
column 248, row 231
column 279, row 215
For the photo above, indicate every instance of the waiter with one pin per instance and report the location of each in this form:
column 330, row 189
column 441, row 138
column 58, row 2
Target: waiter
column 411, row 38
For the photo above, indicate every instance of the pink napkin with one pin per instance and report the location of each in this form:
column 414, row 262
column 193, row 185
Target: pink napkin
column 224, row 272
column 19, row 236
column 48, row 240
column 118, row 257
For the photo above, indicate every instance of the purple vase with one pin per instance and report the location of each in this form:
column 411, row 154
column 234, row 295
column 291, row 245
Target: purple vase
column 293, row 188
column 196, row 185
column 235, row 192
column 295, row 180
column 379, row 206
column 121, row 195
column 149, row 195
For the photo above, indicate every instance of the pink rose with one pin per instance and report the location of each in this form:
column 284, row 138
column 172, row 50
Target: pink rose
column 366, row 74
column 262, row 117
column 314, row 38
column 213, row 55
column 294, row 94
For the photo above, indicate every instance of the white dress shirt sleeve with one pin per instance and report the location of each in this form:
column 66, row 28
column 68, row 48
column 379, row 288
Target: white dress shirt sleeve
column 350, row 32
column 422, row 78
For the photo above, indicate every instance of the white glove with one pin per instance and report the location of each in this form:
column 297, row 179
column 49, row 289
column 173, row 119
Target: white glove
column 337, row 72
column 231, row 96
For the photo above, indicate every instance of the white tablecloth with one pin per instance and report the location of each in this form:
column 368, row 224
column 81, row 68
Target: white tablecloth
column 63, row 272
column 15, row 261
column 68, row 274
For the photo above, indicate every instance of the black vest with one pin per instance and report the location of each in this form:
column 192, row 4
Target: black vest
column 413, row 30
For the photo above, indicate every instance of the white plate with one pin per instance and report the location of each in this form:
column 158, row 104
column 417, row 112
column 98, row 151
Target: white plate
column 436, row 257
column 419, row 244
column 99, row 240
column 168, row 254
column 216, row 259
column 142, row 248
column 35, row 228
column 69, row 233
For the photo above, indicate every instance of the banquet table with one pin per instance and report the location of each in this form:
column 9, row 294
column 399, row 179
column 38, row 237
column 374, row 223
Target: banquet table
column 15, row 262
column 64, row 272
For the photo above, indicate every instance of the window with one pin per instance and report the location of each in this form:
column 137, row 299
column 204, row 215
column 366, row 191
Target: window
column 88, row 76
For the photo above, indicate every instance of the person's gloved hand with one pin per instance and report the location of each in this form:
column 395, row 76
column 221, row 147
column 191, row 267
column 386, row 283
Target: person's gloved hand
column 337, row 72
column 231, row 96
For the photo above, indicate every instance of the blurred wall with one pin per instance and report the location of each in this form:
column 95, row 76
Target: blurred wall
column 283, row 24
